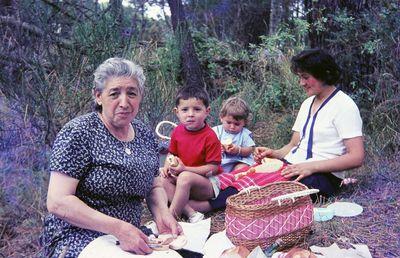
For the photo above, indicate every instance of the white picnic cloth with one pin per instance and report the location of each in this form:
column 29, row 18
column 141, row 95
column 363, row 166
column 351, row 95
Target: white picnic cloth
column 216, row 244
column 257, row 253
column 105, row 246
column 196, row 234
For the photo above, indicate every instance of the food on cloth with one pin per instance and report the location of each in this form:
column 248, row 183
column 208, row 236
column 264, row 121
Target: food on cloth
column 269, row 165
column 172, row 160
column 245, row 173
column 167, row 241
column 235, row 252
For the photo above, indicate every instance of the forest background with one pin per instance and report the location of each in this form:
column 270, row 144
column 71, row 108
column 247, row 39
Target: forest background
column 49, row 50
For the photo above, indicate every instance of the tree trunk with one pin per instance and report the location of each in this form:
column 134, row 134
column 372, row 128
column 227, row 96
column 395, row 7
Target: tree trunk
column 192, row 72
column 275, row 16
column 313, row 12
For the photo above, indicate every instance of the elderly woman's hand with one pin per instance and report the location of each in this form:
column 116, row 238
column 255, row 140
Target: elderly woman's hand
column 260, row 153
column 131, row 239
column 299, row 171
column 166, row 223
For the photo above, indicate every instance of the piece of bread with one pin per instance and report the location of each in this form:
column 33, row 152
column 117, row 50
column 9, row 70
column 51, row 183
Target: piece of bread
column 172, row 160
column 245, row 173
column 173, row 243
column 226, row 143
column 269, row 165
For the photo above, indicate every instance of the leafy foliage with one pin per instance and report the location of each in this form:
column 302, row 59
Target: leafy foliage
column 367, row 45
column 50, row 50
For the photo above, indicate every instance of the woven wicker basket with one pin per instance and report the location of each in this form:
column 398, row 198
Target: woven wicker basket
column 253, row 219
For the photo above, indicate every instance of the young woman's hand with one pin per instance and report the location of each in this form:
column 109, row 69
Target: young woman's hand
column 299, row 171
column 260, row 153
column 132, row 239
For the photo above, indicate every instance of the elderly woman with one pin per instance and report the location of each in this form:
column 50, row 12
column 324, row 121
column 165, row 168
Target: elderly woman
column 327, row 134
column 102, row 166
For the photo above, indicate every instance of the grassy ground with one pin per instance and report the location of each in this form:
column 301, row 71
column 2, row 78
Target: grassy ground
column 377, row 191
column 378, row 226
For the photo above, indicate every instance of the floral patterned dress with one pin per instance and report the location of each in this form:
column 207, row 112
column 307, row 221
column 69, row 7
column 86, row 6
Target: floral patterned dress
column 110, row 180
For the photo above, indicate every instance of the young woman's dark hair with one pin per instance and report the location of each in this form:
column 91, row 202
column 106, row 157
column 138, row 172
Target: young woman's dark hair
column 318, row 63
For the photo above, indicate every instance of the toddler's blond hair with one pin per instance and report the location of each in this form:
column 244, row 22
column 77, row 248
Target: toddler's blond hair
column 235, row 107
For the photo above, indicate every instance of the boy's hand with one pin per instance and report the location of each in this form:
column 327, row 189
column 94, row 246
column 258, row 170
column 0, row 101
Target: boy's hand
column 261, row 152
column 177, row 169
column 164, row 172
column 222, row 149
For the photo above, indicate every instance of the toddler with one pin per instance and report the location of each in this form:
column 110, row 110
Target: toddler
column 236, row 139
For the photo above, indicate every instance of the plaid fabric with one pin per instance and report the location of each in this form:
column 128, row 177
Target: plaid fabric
column 253, row 179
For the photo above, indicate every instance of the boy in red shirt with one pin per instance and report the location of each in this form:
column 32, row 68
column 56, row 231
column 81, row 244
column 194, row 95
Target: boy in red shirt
column 198, row 153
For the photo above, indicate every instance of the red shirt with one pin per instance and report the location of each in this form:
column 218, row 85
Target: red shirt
column 196, row 148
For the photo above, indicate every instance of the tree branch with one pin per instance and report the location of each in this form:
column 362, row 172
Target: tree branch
column 66, row 43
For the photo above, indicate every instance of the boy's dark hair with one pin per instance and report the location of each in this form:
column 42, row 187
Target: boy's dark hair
column 192, row 92
column 235, row 107
column 318, row 63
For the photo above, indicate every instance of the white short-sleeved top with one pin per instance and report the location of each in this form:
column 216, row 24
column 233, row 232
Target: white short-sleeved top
column 339, row 119
column 244, row 139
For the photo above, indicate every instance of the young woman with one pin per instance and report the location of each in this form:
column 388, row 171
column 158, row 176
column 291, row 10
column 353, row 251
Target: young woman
column 327, row 134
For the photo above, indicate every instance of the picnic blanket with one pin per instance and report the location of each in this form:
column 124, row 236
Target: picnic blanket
column 258, row 178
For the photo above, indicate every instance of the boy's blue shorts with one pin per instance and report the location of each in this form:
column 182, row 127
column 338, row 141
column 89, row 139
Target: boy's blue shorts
column 220, row 201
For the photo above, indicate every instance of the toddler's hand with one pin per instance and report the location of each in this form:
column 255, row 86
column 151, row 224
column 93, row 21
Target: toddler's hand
column 232, row 149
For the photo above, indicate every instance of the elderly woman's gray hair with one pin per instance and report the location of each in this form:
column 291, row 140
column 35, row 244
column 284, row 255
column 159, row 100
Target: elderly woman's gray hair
column 116, row 67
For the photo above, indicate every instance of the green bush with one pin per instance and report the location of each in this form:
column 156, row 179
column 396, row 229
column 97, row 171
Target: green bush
column 366, row 44
column 161, row 65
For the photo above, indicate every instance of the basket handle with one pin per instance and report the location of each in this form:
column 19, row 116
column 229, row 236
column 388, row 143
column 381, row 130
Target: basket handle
column 159, row 126
column 248, row 190
column 294, row 195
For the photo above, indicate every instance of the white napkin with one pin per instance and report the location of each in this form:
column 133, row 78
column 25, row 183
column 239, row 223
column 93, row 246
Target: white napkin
column 105, row 247
column 216, row 244
column 196, row 234
column 333, row 251
column 257, row 253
